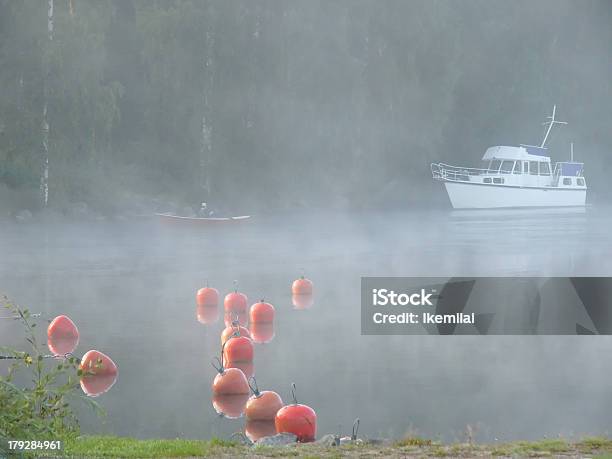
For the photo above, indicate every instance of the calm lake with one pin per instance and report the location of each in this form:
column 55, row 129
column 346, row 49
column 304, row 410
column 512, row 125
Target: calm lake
column 130, row 288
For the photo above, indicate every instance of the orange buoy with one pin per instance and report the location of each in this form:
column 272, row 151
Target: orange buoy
column 262, row 406
column 235, row 305
column 207, row 310
column 302, row 301
column 300, row 420
column 98, row 373
column 254, row 430
column 63, row 335
column 261, row 332
column 230, row 406
column 207, row 296
column 261, row 312
column 234, row 330
column 261, row 318
column 229, row 381
column 238, row 353
column 301, row 286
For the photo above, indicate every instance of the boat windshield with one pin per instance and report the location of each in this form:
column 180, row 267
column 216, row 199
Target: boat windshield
column 506, row 167
column 494, row 165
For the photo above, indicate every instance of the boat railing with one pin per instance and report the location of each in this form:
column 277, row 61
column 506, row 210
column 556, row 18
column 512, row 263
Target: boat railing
column 441, row 171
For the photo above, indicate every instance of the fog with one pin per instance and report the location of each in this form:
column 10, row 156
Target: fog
column 130, row 288
column 260, row 105
column 319, row 119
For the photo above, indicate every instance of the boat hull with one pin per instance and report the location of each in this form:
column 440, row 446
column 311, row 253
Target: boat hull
column 477, row 196
column 204, row 221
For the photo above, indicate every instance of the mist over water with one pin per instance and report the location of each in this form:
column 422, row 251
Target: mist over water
column 320, row 119
column 130, row 287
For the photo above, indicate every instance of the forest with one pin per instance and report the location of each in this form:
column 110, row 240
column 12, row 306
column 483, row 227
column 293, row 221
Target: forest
column 265, row 105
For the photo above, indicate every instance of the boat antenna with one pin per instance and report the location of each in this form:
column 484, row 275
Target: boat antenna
column 571, row 152
column 550, row 125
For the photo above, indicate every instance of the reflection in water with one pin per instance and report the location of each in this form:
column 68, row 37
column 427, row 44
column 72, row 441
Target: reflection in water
column 262, row 332
column 254, row 430
column 99, row 373
column 245, row 366
column 230, row 406
column 207, row 315
column 234, row 330
column 302, row 301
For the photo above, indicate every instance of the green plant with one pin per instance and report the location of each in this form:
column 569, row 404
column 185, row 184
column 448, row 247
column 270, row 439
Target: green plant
column 38, row 390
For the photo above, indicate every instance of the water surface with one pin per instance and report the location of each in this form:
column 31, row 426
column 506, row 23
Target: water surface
column 130, row 287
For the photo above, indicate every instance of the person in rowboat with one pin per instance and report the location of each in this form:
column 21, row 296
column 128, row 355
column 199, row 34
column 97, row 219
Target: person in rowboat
column 205, row 211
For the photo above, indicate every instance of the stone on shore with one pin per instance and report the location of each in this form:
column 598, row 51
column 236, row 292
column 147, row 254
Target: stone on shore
column 277, row 440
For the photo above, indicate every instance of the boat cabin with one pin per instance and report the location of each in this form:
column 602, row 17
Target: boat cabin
column 523, row 166
column 529, row 166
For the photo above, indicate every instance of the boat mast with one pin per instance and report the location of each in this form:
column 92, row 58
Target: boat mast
column 550, row 125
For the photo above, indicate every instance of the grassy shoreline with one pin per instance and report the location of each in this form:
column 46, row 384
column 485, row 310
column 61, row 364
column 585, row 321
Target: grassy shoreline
column 113, row 447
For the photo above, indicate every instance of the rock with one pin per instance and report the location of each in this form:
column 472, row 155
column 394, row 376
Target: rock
column 277, row 440
column 350, row 441
column 328, row 440
column 23, row 215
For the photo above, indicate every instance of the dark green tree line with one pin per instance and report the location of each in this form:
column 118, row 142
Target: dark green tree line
column 253, row 104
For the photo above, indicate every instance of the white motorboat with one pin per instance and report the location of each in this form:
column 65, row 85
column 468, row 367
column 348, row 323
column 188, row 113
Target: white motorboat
column 522, row 176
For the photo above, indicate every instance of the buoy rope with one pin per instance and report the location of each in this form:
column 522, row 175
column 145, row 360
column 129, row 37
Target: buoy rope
column 219, row 368
column 44, row 356
column 33, row 316
column 355, row 429
column 235, row 285
column 254, row 387
column 222, row 353
column 295, row 402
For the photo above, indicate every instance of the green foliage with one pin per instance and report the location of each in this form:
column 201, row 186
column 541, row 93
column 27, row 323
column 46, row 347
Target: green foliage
column 42, row 409
column 414, row 441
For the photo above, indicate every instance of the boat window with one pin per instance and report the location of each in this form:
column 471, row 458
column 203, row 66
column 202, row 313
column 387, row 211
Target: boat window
column 567, row 181
column 494, row 166
column 580, row 181
column 525, row 167
column 517, row 167
column 487, row 180
column 498, row 180
column 544, row 169
column 506, row 167
column 533, row 167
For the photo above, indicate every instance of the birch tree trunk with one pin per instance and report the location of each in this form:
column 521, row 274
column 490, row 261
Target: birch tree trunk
column 206, row 139
column 44, row 180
